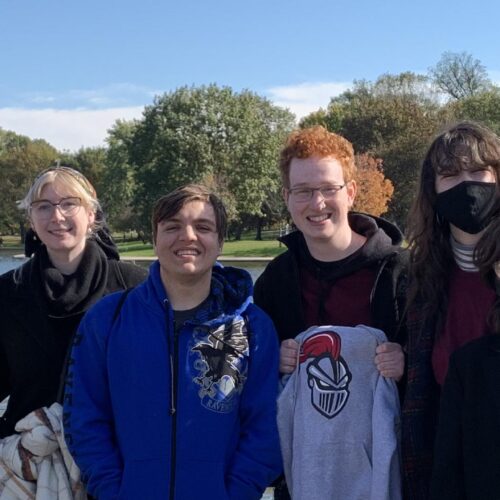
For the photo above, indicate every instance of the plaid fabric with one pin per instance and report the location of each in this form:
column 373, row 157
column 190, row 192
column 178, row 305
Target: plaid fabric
column 420, row 407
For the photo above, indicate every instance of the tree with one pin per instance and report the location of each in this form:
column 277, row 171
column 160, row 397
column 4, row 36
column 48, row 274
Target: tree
column 374, row 190
column 21, row 159
column 459, row 75
column 209, row 134
column 118, row 177
column 393, row 118
column 91, row 162
column 483, row 107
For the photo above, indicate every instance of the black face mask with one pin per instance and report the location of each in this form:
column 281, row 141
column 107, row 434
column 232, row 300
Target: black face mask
column 468, row 205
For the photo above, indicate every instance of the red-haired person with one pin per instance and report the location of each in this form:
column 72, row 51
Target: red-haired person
column 341, row 268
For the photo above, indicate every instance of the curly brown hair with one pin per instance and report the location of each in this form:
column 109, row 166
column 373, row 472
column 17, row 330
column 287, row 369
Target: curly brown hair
column 487, row 259
column 463, row 146
column 317, row 141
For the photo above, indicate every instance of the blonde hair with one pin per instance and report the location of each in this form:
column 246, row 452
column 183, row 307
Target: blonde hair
column 72, row 180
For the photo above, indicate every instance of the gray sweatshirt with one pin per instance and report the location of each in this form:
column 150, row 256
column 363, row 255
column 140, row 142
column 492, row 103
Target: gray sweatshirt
column 339, row 420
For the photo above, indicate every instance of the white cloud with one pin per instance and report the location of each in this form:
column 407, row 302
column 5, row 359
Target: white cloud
column 77, row 126
column 114, row 95
column 303, row 98
column 67, row 128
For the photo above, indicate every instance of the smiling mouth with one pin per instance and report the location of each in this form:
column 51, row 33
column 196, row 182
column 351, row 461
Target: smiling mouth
column 183, row 252
column 319, row 218
column 59, row 231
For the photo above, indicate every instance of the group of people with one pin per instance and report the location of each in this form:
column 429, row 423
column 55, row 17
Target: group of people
column 362, row 368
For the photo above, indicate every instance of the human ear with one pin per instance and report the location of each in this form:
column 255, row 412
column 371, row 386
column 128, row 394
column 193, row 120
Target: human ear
column 351, row 189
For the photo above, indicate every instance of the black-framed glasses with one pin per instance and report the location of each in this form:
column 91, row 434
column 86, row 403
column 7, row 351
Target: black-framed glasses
column 43, row 209
column 304, row 194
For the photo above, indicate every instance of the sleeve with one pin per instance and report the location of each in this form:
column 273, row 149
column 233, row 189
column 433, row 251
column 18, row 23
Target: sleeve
column 88, row 416
column 259, row 292
column 257, row 460
column 4, row 374
column 132, row 274
column 447, row 474
column 286, row 406
column 386, row 431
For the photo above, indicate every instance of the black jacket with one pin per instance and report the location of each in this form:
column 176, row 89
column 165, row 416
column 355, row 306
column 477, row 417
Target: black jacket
column 31, row 360
column 467, row 457
column 278, row 289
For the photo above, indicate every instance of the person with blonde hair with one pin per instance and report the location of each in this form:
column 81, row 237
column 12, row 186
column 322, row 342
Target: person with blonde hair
column 74, row 264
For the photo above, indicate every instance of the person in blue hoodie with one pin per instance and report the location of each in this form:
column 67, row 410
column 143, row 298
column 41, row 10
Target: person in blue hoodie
column 172, row 387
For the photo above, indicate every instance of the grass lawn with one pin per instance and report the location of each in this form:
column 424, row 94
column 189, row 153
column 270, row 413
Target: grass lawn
column 242, row 248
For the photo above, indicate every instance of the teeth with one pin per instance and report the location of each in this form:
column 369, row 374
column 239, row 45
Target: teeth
column 318, row 218
column 187, row 252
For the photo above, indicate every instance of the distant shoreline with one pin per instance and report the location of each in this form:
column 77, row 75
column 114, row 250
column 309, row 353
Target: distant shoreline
column 222, row 258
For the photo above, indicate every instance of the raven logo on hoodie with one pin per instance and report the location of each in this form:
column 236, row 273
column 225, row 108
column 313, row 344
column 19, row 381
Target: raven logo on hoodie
column 222, row 365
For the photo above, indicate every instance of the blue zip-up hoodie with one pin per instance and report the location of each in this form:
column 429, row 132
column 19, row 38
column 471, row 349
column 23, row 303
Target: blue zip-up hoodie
column 152, row 415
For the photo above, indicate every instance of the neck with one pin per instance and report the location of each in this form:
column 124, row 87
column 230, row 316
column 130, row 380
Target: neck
column 66, row 262
column 337, row 248
column 186, row 292
column 465, row 238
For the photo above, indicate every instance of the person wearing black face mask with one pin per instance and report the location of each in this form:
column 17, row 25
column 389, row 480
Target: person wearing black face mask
column 466, row 461
column 449, row 302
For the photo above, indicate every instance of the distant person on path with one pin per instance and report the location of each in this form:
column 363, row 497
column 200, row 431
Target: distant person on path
column 449, row 302
column 74, row 264
column 341, row 268
column 172, row 389
column 467, row 458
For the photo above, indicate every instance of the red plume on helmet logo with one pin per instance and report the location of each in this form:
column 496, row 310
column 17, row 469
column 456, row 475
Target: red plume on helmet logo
column 328, row 376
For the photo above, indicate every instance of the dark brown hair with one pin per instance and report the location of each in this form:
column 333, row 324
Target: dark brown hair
column 167, row 206
column 463, row 146
column 317, row 141
column 486, row 257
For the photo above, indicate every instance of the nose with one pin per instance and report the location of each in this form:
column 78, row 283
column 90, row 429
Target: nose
column 56, row 213
column 317, row 198
column 188, row 233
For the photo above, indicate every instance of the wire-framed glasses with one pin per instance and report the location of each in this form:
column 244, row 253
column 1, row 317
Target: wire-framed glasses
column 304, row 194
column 43, row 209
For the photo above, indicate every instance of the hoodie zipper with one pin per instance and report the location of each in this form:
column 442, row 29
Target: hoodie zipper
column 174, row 370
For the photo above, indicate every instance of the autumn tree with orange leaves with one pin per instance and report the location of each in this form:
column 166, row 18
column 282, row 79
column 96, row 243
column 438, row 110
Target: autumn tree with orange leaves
column 374, row 190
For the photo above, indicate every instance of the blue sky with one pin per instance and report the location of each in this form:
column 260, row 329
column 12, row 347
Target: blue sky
column 70, row 69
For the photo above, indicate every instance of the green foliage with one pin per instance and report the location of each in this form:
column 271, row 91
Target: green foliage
column 21, row 159
column 392, row 119
column 212, row 135
column 483, row 107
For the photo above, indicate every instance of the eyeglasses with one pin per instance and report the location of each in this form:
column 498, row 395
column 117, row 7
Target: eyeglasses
column 304, row 194
column 43, row 209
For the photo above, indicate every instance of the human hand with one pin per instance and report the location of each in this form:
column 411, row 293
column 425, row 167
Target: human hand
column 390, row 360
column 289, row 351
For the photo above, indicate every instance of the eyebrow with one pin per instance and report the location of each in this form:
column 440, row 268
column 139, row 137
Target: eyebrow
column 177, row 219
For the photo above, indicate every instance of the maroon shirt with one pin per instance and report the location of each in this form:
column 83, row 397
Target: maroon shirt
column 343, row 302
column 469, row 303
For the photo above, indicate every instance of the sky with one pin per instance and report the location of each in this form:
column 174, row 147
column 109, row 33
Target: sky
column 70, row 69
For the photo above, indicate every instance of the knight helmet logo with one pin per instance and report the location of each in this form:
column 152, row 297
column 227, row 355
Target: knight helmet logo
column 328, row 375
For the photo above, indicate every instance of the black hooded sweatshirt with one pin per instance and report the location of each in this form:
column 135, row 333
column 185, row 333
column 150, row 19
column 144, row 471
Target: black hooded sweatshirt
column 297, row 290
